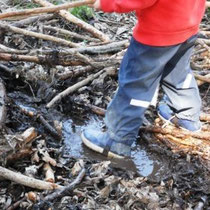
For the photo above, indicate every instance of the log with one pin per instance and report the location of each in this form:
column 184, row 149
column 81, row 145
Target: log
column 45, row 10
column 27, row 181
column 177, row 132
column 37, row 35
column 73, row 88
column 71, row 18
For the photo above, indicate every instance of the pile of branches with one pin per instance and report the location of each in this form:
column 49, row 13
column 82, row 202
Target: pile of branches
column 31, row 41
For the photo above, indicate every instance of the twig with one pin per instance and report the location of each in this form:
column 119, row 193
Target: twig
column 3, row 110
column 37, row 35
column 73, row 88
column 45, row 10
column 27, row 181
column 40, row 118
column 16, row 204
column 61, row 192
column 71, row 18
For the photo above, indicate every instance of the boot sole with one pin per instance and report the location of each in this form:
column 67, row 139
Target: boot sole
column 99, row 149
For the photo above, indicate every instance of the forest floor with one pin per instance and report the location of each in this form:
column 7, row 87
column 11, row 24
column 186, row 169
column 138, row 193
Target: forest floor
column 40, row 136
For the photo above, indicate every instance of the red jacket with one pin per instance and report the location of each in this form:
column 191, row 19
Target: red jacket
column 161, row 22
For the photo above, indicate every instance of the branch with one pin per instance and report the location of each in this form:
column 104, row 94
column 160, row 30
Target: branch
column 70, row 34
column 45, row 10
column 40, row 59
column 203, row 78
column 37, row 35
column 27, row 181
column 62, row 192
column 71, row 18
column 107, row 48
column 176, row 132
column 30, row 20
column 73, row 88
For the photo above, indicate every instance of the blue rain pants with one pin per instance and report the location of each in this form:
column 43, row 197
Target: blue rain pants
column 143, row 69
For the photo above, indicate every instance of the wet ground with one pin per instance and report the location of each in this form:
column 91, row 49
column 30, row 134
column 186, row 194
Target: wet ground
column 142, row 161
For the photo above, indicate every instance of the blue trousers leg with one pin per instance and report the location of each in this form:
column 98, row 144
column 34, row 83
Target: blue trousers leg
column 140, row 74
column 180, row 85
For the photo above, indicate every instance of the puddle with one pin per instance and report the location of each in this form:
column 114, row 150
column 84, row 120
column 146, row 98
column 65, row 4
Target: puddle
column 142, row 161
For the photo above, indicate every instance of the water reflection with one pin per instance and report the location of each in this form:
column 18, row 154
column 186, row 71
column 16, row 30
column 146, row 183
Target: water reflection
column 142, row 161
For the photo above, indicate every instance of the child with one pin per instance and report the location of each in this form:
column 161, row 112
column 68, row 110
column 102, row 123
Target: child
column 159, row 54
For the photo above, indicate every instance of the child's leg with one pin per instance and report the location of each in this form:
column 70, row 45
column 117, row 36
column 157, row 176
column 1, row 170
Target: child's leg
column 179, row 84
column 139, row 76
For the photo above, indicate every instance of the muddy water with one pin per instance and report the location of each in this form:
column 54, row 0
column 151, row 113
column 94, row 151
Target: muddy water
column 142, row 161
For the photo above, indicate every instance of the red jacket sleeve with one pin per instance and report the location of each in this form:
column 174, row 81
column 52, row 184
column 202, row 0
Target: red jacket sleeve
column 123, row 6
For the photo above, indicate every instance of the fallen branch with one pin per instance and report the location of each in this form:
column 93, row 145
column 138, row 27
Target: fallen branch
column 37, row 35
column 30, row 20
column 49, row 173
column 16, row 204
column 33, row 114
column 73, row 88
column 107, row 48
column 18, row 155
column 61, row 192
column 71, row 18
column 201, row 82
column 74, row 72
column 3, row 110
column 6, row 49
column 177, row 132
column 27, row 181
column 45, row 10
column 69, row 33
column 203, row 78
column 40, row 59
column 205, row 117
